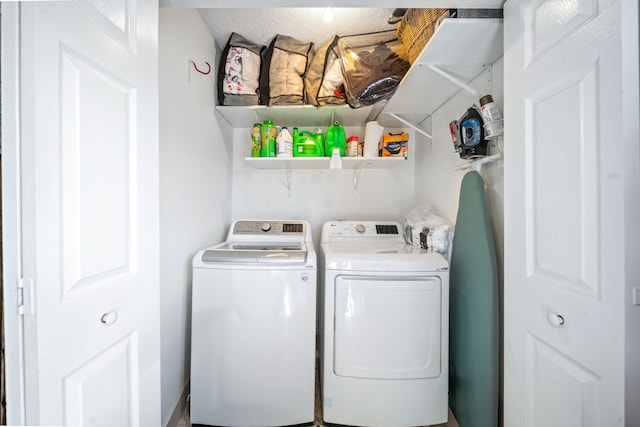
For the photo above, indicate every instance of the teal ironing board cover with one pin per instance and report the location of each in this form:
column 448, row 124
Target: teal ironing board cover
column 473, row 312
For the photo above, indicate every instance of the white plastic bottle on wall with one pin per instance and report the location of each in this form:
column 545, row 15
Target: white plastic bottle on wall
column 285, row 143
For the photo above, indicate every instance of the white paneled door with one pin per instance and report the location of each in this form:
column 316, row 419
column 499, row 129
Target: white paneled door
column 90, row 212
column 564, row 214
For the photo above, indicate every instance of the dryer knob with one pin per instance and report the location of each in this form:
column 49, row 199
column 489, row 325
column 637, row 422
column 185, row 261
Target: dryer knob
column 266, row 226
column 360, row 228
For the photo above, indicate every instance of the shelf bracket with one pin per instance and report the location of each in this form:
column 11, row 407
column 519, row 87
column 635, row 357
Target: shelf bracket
column 490, row 78
column 411, row 125
column 356, row 181
column 477, row 164
column 289, row 179
column 454, row 80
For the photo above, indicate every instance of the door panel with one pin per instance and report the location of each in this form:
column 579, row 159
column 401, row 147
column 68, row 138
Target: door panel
column 387, row 328
column 116, row 17
column 548, row 23
column 562, row 391
column 113, row 373
column 90, row 214
column 97, row 175
column 564, row 288
column 562, row 191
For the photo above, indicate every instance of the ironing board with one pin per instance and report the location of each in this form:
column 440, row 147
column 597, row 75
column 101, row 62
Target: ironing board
column 473, row 312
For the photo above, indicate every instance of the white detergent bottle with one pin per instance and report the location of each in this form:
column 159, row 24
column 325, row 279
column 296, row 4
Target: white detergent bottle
column 285, row 143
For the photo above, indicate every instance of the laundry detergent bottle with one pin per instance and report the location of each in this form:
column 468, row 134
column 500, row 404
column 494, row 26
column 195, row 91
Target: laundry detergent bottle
column 336, row 138
column 306, row 145
column 284, row 142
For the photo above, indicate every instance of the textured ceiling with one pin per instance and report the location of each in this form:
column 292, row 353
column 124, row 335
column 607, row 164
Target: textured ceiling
column 305, row 24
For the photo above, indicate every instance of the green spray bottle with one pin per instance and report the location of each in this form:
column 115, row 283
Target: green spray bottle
column 336, row 138
column 268, row 137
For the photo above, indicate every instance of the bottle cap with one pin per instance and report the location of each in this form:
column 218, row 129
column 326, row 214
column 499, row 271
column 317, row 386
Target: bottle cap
column 486, row 99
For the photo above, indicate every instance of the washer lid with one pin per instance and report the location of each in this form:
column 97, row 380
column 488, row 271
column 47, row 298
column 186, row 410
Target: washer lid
column 381, row 255
column 257, row 252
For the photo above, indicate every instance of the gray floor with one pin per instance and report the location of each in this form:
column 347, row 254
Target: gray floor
column 184, row 420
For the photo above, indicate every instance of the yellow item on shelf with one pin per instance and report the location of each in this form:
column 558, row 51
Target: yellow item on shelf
column 394, row 144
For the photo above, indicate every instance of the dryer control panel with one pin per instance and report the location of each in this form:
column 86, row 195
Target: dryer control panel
column 338, row 230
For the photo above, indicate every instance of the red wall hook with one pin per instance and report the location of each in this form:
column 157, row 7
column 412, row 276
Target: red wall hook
column 200, row 71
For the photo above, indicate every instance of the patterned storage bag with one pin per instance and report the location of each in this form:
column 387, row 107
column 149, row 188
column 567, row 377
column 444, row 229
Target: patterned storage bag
column 239, row 72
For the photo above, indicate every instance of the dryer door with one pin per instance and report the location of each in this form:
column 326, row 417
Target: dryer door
column 387, row 327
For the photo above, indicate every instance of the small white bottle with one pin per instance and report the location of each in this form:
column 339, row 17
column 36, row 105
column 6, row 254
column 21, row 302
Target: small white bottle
column 493, row 124
column 285, row 143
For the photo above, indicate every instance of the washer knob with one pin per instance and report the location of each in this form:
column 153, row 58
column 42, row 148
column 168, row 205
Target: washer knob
column 266, row 226
column 360, row 228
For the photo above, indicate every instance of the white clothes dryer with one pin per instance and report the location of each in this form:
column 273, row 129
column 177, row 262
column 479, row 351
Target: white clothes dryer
column 385, row 321
column 253, row 327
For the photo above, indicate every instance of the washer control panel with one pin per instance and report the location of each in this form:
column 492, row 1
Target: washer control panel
column 269, row 227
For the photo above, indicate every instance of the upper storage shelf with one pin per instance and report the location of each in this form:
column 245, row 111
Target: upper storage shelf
column 459, row 48
column 304, row 116
column 212, row 4
column 462, row 48
column 464, row 41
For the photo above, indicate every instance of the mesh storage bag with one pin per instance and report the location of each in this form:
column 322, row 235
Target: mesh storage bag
column 324, row 83
column 239, row 72
column 373, row 65
column 284, row 65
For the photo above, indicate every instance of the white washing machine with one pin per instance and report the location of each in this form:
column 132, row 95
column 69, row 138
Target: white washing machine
column 385, row 322
column 253, row 327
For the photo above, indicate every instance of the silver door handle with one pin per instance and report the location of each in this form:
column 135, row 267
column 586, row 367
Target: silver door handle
column 555, row 320
column 109, row 318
